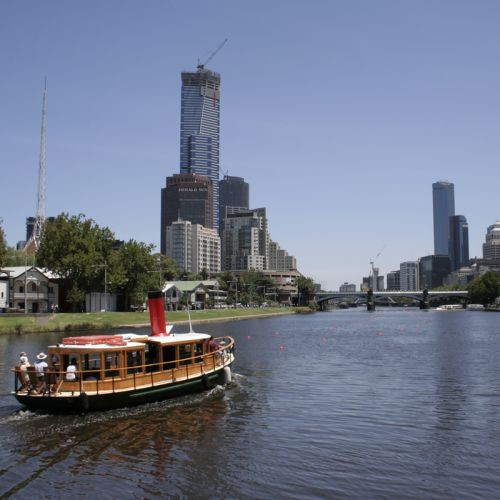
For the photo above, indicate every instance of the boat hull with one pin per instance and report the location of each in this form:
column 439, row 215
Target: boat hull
column 82, row 403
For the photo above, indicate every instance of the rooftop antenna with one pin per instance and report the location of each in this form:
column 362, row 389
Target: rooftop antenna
column 212, row 55
column 32, row 244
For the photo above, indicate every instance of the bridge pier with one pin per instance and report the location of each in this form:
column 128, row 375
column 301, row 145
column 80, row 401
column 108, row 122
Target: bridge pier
column 424, row 303
column 370, row 301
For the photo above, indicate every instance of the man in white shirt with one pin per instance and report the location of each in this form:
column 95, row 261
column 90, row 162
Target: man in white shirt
column 71, row 371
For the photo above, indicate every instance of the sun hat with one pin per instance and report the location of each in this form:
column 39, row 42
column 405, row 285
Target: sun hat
column 22, row 354
column 41, row 356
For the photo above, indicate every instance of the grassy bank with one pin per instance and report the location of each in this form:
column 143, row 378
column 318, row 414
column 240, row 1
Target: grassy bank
column 97, row 321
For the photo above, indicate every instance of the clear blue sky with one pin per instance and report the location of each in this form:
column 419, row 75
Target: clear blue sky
column 340, row 115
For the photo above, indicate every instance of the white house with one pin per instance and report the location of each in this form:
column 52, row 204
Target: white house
column 33, row 288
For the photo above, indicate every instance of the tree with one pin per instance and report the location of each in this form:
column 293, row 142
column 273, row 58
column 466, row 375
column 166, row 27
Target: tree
column 3, row 246
column 305, row 288
column 132, row 271
column 72, row 246
column 166, row 267
column 485, row 288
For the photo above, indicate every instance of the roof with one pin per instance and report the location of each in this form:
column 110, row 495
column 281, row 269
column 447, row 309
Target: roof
column 177, row 338
column 186, row 286
column 17, row 271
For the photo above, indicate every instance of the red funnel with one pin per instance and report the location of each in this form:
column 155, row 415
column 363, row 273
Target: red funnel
column 157, row 314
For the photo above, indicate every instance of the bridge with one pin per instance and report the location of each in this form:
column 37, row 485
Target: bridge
column 423, row 296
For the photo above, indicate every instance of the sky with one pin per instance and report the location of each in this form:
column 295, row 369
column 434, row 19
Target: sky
column 339, row 114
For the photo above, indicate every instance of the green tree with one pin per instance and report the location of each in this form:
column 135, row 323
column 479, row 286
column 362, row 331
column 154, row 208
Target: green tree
column 72, row 246
column 3, row 245
column 305, row 287
column 166, row 267
column 485, row 288
column 133, row 272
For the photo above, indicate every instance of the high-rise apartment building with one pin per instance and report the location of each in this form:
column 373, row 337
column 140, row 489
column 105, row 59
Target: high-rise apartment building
column 245, row 240
column 347, row 287
column 278, row 259
column 443, row 201
column 433, row 269
column 491, row 248
column 409, row 276
column 458, row 246
column 187, row 197
column 200, row 122
column 233, row 194
column 393, row 281
column 192, row 247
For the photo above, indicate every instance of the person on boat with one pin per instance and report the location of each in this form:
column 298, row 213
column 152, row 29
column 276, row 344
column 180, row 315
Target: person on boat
column 40, row 365
column 23, row 365
column 71, row 371
column 212, row 345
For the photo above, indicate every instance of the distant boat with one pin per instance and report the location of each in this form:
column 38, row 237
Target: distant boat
column 475, row 307
column 450, row 307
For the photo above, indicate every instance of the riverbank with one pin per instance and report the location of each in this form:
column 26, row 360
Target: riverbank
column 64, row 322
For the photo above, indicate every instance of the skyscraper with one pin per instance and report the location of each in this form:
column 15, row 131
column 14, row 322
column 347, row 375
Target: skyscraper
column 458, row 249
column 200, row 122
column 188, row 197
column 433, row 270
column 491, row 248
column 443, row 200
column 233, row 192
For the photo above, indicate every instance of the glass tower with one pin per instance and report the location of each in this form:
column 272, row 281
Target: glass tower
column 200, row 123
column 443, row 198
column 459, row 242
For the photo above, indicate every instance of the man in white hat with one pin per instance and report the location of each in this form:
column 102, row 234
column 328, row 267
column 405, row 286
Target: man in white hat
column 23, row 365
column 40, row 365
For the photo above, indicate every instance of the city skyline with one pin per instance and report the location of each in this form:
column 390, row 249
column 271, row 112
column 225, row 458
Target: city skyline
column 339, row 118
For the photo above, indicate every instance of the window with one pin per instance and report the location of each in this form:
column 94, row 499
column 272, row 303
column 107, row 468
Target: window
column 185, row 354
column 112, row 364
column 134, row 361
column 21, row 289
column 92, row 363
column 32, row 287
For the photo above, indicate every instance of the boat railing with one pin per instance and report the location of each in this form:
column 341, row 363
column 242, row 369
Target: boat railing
column 54, row 381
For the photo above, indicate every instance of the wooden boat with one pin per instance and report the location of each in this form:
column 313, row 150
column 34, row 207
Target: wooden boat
column 114, row 371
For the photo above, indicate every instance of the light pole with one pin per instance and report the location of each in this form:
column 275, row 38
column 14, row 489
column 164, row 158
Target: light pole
column 105, row 265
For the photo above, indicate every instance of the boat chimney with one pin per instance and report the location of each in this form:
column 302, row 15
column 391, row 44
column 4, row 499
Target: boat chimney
column 157, row 314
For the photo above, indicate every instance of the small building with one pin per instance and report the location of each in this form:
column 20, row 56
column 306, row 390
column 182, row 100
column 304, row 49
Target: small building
column 32, row 288
column 4, row 291
column 194, row 292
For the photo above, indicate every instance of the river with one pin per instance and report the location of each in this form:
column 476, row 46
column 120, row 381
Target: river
column 395, row 403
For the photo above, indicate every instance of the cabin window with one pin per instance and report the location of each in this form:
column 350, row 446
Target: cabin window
column 92, row 365
column 152, row 357
column 168, row 357
column 112, row 364
column 134, row 361
column 198, row 352
column 185, row 353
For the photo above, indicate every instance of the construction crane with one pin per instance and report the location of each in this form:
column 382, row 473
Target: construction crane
column 372, row 272
column 212, row 55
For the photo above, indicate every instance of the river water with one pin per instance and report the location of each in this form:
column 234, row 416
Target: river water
column 391, row 404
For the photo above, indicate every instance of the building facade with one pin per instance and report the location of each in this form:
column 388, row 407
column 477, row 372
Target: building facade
column 458, row 247
column 393, row 281
column 193, row 248
column 245, row 241
column 234, row 192
column 278, row 259
column 443, row 202
column 491, row 248
column 188, row 197
column 347, row 287
column 200, row 124
column 433, row 269
column 409, row 276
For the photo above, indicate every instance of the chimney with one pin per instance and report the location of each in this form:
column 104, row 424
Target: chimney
column 157, row 314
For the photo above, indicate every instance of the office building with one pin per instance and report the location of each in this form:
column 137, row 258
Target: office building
column 245, row 241
column 233, row 194
column 188, row 197
column 200, row 122
column 347, row 287
column 393, row 282
column 433, row 269
column 491, row 248
column 443, row 201
column 192, row 247
column 409, row 276
column 458, row 247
